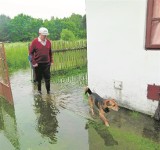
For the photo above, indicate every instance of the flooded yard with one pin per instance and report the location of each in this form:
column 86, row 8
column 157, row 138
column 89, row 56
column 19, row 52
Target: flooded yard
column 61, row 121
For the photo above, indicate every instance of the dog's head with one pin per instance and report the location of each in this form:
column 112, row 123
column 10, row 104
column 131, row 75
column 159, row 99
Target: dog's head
column 111, row 104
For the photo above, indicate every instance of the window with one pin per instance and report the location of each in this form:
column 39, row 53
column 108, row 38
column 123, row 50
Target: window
column 153, row 25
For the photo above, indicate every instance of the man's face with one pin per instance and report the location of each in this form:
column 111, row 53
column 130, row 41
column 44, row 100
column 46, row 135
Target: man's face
column 43, row 37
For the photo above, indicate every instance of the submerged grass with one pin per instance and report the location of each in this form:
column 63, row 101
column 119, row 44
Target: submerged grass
column 69, row 72
column 79, row 74
column 117, row 138
column 133, row 140
column 134, row 114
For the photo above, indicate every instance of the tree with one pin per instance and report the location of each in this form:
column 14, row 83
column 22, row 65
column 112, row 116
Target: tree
column 77, row 19
column 55, row 28
column 4, row 22
column 80, row 24
column 24, row 28
column 67, row 35
column 84, row 22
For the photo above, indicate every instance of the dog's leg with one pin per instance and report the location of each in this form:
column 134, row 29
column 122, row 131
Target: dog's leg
column 102, row 116
column 91, row 104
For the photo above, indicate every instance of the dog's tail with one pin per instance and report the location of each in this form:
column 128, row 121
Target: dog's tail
column 87, row 90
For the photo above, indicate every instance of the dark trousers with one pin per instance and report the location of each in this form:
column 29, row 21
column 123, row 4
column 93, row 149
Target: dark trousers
column 43, row 71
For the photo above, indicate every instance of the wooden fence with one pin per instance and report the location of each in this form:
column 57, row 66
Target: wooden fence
column 69, row 58
column 69, row 54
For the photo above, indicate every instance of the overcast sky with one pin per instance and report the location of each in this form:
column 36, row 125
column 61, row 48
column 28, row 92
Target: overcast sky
column 43, row 9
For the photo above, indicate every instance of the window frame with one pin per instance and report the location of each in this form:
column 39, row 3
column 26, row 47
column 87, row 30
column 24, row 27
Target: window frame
column 149, row 20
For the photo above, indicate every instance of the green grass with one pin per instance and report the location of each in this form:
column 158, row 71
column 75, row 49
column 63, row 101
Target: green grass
column 17, row 56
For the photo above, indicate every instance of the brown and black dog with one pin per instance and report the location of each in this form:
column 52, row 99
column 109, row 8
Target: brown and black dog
column 102, row 104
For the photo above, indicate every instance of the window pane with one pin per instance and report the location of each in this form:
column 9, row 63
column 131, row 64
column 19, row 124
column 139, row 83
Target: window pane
column 156, row 9
column 155, row 33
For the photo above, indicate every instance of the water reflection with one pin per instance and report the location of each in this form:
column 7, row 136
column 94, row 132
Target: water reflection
column 8, row 126
column 46, row 112
column 99, row 136
column 80, row 79
column 140, row 123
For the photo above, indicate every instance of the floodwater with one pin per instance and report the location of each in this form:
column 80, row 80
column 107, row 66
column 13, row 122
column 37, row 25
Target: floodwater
column 61, row 121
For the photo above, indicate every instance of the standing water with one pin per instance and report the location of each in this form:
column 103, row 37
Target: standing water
column 61, row 121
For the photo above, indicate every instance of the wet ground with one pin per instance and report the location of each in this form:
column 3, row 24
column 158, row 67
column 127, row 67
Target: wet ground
column 61, row 121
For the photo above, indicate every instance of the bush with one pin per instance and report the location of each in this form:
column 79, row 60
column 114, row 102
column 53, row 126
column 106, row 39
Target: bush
column 67, row 35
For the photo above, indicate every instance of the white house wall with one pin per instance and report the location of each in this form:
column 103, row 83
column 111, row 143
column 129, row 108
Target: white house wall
column 118, row 64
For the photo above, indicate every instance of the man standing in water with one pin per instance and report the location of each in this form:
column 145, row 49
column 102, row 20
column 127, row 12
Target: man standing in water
column 41, row 58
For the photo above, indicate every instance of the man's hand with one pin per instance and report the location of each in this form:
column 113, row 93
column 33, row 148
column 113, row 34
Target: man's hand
column 35, row 65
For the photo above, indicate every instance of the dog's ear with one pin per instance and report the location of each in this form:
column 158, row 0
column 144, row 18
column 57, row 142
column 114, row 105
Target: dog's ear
column 107, row 103
column 115, row 106
column 115, row 102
